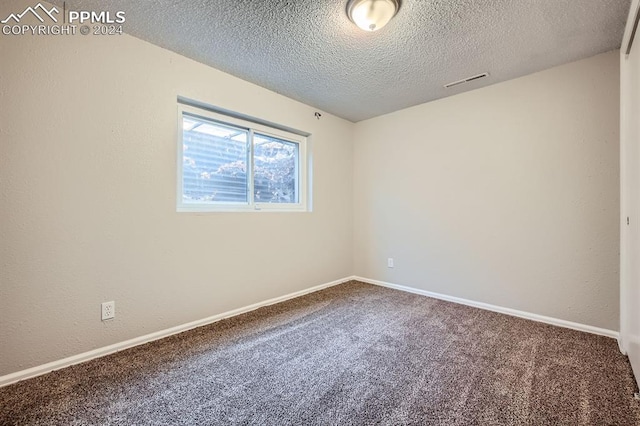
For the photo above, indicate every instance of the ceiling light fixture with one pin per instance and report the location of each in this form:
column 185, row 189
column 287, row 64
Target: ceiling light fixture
column 371, row 15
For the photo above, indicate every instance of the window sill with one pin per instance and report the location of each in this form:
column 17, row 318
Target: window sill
column 239, row 209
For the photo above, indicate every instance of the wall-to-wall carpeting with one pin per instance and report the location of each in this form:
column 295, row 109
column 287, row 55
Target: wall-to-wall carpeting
column 351, row 354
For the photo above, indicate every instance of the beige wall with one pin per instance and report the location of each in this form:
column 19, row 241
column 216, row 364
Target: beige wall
column 88, row 209
column 506, row 195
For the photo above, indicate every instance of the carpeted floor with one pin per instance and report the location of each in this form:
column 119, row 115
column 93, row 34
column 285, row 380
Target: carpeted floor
column 352, row 354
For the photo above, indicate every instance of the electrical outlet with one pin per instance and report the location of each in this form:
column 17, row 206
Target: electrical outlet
column 108, row 310
column 390, row 262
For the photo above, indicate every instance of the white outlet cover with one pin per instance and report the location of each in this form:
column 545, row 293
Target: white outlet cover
column 108, row 310
column 390, row 262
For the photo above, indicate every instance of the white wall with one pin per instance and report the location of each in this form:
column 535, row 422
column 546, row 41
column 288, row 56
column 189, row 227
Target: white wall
column 87, row 199
column 630, row 195
column 506, row 195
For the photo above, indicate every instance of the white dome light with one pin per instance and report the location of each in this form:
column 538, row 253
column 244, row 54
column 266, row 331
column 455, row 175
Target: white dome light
column 371, row 15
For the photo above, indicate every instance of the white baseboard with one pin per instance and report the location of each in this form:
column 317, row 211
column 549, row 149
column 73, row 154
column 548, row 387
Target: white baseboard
column 97, row 353
column 500, row 309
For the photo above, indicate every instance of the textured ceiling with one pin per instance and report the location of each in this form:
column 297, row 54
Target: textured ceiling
column 310, row 51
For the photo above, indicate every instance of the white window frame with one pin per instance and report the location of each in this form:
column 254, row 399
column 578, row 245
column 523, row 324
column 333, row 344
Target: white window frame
column 251, row 206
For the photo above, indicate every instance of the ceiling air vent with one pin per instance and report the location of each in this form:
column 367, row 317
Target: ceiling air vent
column 466, row 80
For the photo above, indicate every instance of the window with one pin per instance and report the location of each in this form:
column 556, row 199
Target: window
column 231, row 164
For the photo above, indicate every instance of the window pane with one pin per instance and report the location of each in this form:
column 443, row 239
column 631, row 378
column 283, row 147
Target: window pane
column 214, row 162
column 275, row 170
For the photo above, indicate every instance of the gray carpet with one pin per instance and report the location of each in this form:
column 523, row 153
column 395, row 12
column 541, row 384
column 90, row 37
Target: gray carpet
column 352, row 354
